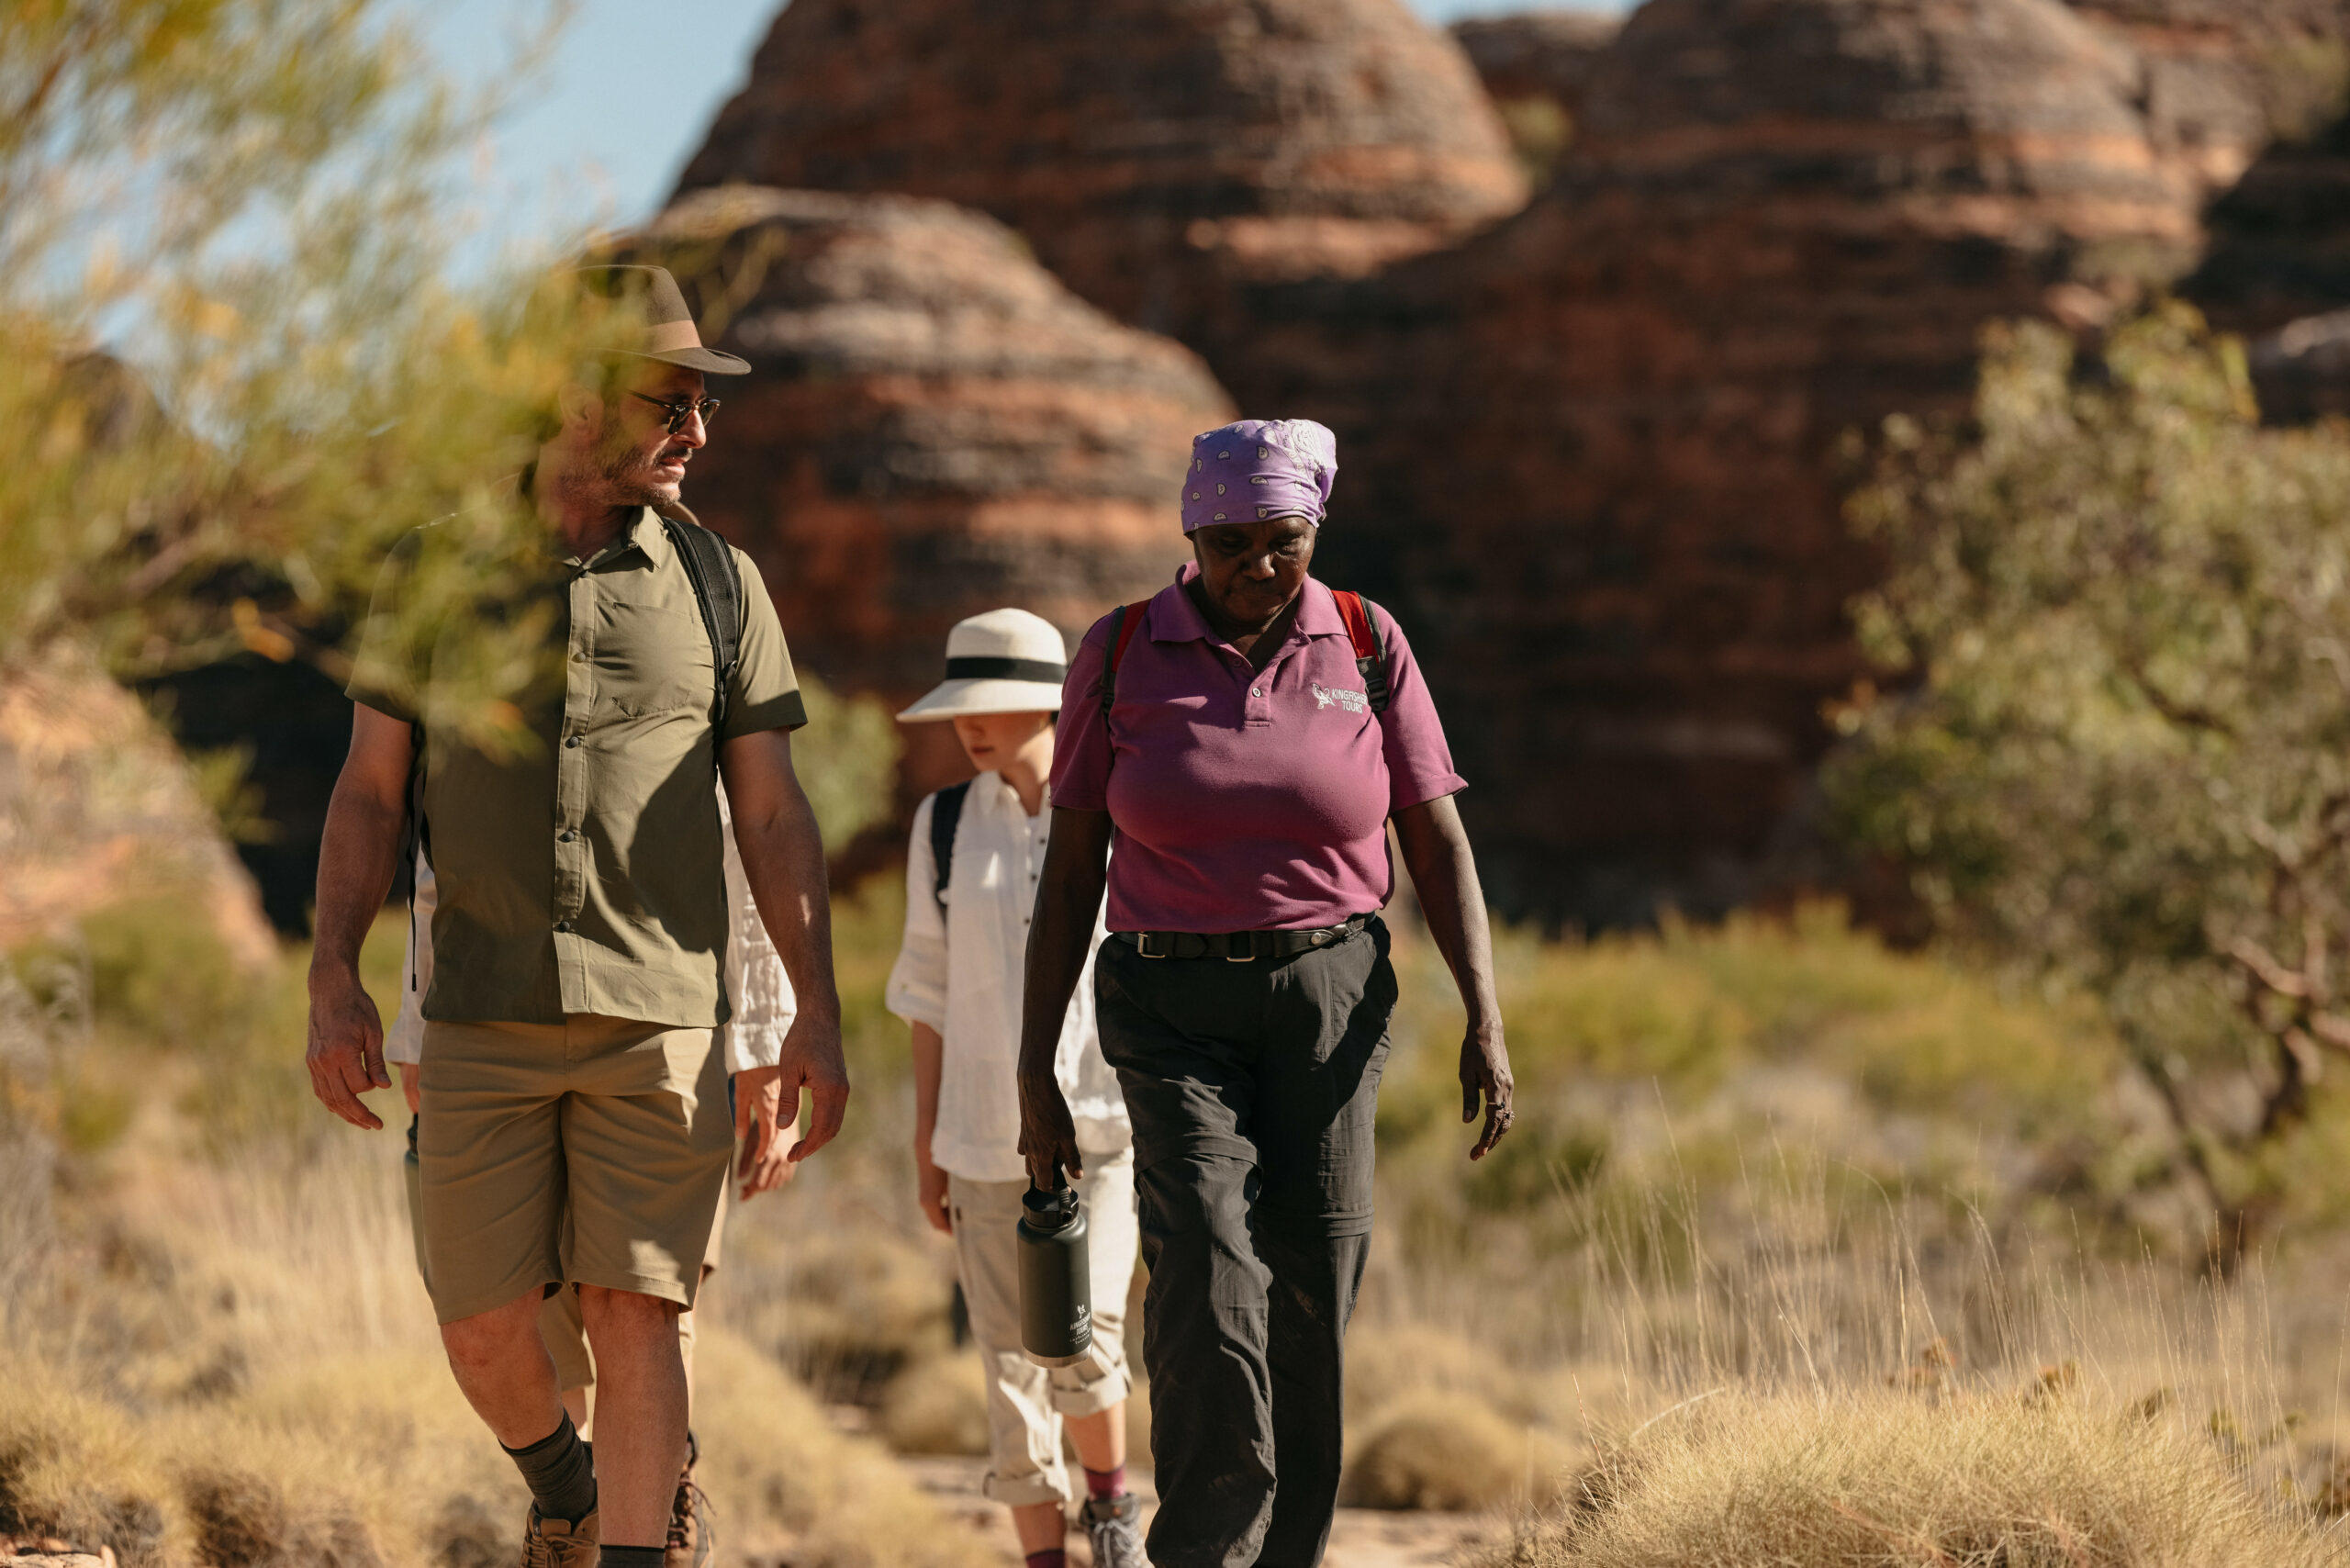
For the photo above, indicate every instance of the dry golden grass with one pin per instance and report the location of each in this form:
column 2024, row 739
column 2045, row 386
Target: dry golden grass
column 1795, row 1222
column 1891, row 1480
column 1450, row 1452
column 245, row 1372
column 217, row 1352
column 937, row 1406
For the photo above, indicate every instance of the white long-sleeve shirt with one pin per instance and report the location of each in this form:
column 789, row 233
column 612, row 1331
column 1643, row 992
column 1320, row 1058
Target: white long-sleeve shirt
column 764, row 1004
column 961, row 973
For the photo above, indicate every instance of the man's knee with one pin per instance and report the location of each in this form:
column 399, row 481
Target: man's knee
column 615, row 1318
column 489, row 1338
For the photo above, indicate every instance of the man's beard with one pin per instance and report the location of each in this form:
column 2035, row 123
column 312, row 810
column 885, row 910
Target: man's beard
column 627, row 474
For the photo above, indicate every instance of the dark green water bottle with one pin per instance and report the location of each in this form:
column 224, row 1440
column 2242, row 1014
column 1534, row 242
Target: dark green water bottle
column 1056, row 1279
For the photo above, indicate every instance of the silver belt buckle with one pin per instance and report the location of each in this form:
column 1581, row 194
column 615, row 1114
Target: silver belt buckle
column 1141, row 946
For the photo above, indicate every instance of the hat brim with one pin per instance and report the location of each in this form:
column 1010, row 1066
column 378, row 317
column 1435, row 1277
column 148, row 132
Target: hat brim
column 956, row 699
column 709, row 362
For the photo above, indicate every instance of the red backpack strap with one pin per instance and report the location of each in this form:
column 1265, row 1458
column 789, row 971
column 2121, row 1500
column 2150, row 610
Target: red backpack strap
column 1371, row 654
column 1124, row 621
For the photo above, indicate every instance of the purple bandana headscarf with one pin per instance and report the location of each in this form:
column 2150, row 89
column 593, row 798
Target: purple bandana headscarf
column 1260, row 468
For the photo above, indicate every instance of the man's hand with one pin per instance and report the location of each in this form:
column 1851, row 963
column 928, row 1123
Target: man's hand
column 761, row 1133
column 1047, row 1133
column 930, row 1186
column 1485, row 1074
column 812, row 1060
column 412, row 1086
column 346, row 1050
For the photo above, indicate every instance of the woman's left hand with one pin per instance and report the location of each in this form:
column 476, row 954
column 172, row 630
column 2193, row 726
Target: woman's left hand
column 1047, row 1132
column 1485, row 1075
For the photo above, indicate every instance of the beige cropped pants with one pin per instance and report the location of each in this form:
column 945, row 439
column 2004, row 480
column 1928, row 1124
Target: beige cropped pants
column 1026, row 1402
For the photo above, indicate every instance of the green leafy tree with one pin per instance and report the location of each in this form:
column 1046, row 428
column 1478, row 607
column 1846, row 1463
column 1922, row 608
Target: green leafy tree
column 2115, row 745
column 255, row 207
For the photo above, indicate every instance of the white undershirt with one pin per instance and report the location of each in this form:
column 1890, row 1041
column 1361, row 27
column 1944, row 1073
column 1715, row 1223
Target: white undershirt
column 961, row 973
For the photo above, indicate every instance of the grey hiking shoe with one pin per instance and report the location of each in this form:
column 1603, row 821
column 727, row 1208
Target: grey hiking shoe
column 1114, row 1527
column 549, row 1543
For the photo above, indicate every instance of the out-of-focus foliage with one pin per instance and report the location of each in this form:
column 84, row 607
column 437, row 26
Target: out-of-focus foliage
column 233, row 365
column 846, row 759
column 2117, row 619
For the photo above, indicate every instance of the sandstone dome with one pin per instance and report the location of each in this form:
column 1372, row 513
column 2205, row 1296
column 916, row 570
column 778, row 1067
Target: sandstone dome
column 932, row 427
column 1594, row 450
column 1153, row 152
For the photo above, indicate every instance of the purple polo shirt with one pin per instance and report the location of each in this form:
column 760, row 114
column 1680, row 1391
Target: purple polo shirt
column 1245, row 799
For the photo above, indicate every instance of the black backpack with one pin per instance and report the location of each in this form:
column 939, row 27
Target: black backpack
column 718, row 590
column 945, row 816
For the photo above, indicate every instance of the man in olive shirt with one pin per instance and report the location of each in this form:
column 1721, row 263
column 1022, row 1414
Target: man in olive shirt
column 569, row 1070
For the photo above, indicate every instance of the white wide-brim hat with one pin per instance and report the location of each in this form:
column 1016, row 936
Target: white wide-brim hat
column 1006, row 661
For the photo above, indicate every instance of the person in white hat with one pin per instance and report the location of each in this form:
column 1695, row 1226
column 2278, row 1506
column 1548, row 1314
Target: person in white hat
column 971, row 873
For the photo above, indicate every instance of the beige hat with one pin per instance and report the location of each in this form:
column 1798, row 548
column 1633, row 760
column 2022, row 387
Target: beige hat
column 1006, row 661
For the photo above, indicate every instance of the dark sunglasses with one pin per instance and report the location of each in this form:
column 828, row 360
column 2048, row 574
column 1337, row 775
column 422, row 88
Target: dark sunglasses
column 682, row 410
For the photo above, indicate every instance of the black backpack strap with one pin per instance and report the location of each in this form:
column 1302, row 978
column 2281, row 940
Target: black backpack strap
column 417, row 842
column 718, row 590
column 945, row 816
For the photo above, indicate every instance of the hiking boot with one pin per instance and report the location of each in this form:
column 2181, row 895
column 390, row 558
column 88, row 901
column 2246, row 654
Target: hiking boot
column 1114, row 1527
column 690, row 1537
column 549, row 1543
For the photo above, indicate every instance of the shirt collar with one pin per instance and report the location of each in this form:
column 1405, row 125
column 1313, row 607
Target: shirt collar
column 1174, row 618
column 1007, row 799
column 646, row 536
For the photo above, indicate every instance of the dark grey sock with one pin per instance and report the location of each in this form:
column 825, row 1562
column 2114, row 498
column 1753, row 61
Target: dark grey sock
column 559, row 1473
column 630, row 1557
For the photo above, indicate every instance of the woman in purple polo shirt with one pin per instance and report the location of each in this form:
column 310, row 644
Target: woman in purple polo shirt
column 1245, row 765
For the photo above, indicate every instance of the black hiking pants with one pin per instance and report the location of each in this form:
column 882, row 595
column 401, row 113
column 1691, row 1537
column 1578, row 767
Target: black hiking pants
column 1252, row 1088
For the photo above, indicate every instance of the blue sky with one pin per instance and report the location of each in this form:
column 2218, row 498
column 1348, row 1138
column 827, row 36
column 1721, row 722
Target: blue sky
column 627, row 99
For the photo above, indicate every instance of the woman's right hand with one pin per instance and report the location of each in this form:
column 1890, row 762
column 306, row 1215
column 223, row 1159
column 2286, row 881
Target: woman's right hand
column 930, row 1185
column 1047, row 1132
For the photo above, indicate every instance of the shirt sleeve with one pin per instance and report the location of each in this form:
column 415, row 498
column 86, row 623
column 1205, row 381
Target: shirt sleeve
column 765, row 694
column 1082, row 741
column 918, row 979
column 764, row 1003
column 1419, row 763
column 403, row 1041
column 384, row 673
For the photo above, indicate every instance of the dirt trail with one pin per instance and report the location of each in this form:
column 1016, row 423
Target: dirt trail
column 1363, row 1538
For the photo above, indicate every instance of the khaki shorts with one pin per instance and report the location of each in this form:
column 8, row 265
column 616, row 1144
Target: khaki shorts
column 1026, row 1402
column 565, row 1331
column 592, row 1151
column 560, row 1323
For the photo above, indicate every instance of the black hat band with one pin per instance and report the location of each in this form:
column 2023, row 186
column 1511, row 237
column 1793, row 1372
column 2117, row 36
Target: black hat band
column 1006, row 669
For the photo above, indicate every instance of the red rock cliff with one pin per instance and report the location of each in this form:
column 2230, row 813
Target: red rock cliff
column 933, row 427
column 1590, row 456
column 1153, row 152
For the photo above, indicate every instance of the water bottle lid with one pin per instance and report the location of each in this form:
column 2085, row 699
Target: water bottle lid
column 1055, row 1210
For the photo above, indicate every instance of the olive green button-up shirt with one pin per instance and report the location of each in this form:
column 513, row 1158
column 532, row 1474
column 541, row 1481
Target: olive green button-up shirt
column 584, row 871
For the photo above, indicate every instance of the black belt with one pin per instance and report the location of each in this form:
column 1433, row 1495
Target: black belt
column 1239, row 947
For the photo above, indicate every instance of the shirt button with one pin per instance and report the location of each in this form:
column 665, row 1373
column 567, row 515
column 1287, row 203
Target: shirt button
column 565, row 836
column 563, row 926
column 1256, row 691
column 570, row 741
